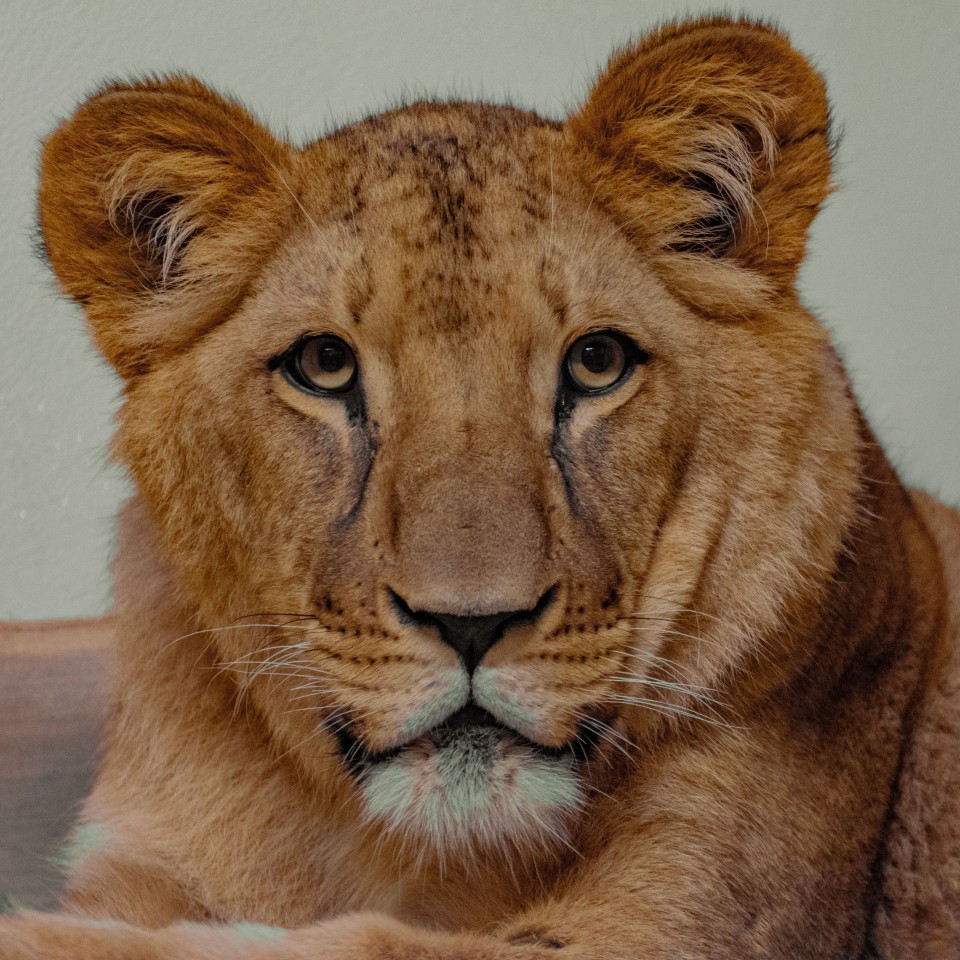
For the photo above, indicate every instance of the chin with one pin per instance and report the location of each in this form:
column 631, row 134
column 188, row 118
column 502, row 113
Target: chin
column 472, row 784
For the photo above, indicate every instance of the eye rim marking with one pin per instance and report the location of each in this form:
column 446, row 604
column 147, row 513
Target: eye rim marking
column 632, row 355
column 291, row 365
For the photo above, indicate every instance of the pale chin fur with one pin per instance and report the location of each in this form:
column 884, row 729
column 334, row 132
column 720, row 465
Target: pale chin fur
column 470, row 788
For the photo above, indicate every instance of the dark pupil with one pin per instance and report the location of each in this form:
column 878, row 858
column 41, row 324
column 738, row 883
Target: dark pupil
column 597, row 356
column 331, row 358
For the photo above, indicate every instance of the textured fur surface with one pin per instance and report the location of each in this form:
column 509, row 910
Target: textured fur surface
column 726, row 725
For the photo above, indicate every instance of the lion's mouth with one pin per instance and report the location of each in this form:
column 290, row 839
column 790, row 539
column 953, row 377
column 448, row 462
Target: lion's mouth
column 472, row 715
column 471, row 780
column 469, row 722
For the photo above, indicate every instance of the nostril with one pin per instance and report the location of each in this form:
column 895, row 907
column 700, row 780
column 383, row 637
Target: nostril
column 471, row 636
column 527, row 617
column 404, row 612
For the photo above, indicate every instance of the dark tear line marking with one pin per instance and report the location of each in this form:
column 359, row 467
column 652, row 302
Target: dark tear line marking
column 369, row 444
column 559, row 451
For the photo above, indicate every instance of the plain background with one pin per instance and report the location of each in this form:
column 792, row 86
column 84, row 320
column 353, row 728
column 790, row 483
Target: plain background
column 882, row 272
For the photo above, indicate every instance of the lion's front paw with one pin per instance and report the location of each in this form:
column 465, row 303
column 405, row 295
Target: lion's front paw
column 365, row 936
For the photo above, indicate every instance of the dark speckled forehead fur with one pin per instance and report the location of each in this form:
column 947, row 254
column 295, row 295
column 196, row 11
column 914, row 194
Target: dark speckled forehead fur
column 438, row 194
column 453, row 151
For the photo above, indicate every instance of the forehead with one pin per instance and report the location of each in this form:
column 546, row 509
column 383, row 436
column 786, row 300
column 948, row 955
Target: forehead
column 460, row 177
column 443, row 218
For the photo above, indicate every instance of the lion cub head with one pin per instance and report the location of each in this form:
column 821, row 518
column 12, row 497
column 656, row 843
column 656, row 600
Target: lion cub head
column 512, row 432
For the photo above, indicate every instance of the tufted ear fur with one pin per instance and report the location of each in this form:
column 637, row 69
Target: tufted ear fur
column 158, row 200
column 709, row 141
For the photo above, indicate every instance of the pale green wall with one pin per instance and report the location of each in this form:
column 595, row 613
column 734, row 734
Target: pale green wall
column 883, row 271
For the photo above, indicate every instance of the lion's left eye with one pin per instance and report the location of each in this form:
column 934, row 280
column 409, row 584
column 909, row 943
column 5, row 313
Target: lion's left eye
column 596, row 362
column 324, row 364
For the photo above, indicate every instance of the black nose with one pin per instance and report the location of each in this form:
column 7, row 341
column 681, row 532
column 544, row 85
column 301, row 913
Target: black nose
column 472, row 637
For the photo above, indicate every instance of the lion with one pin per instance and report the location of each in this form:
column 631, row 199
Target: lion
column 511, row 573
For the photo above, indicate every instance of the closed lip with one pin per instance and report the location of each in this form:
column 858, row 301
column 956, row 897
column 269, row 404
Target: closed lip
column 359, row 757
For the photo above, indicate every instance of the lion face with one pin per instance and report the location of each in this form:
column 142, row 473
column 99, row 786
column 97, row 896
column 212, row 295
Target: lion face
column 469, row 458
column 461, row 482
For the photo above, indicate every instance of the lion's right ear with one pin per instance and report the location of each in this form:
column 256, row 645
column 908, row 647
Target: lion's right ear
column 709, row 141
column 158, row 200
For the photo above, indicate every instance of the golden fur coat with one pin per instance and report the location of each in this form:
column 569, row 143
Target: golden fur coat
column 511, row 573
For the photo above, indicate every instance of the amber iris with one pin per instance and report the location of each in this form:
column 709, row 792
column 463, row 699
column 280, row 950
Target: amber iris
column 596, row 362
column 324, row 364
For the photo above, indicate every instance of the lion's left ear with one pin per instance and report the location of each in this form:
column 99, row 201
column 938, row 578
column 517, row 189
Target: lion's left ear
column 709, row 140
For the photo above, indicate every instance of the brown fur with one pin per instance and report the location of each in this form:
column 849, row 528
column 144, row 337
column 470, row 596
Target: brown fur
column 747, row 605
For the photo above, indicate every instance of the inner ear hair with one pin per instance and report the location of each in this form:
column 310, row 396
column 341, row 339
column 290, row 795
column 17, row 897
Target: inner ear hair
column 159, row 226
column 731, row 207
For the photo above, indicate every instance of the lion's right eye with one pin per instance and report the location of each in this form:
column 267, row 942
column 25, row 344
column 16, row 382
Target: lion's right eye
column 324, row 364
